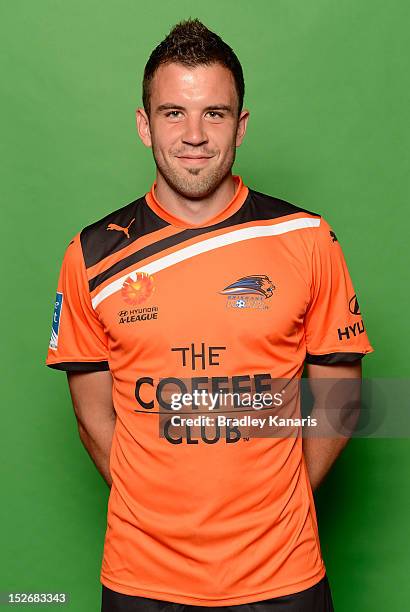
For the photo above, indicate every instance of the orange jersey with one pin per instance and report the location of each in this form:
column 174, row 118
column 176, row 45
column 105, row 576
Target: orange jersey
column 251, row 294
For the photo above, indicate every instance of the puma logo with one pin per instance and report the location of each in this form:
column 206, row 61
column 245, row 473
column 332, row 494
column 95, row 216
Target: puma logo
column 118, row 228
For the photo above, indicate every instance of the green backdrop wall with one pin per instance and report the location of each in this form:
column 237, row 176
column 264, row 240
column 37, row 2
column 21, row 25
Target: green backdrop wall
column 327, row 83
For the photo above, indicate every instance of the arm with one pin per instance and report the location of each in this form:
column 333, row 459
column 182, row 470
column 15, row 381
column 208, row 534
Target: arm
column 321, row 453
column 91, row 393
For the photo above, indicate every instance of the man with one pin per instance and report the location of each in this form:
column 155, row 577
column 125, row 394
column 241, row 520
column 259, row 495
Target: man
column 203, row 284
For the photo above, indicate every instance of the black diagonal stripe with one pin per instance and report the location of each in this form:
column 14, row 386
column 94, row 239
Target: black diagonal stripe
column 151, row 249
column 257, row 207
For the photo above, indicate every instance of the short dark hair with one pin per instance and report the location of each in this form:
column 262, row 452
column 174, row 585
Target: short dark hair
column 191, row 43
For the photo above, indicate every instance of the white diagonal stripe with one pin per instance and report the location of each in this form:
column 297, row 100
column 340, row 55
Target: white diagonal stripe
column 246, row 233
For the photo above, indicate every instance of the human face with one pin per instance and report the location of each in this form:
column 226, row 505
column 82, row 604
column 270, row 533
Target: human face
column 193, row 127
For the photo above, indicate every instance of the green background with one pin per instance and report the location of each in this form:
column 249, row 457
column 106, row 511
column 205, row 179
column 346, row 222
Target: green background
column 327, row 84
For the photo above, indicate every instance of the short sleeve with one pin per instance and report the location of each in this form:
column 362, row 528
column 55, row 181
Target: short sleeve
column 334, row 325
column 78, row 341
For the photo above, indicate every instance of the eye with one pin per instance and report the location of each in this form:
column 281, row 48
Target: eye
column 215, row 114
column 173, row 113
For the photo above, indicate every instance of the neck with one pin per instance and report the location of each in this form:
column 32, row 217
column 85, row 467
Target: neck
column 194, row 211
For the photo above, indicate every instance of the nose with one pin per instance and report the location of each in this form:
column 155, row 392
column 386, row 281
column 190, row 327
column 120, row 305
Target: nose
column 194, row 132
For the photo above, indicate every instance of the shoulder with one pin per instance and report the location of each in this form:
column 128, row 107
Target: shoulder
column 275, row 207
column 117, row 230
column 109, row 233
column 317, row 232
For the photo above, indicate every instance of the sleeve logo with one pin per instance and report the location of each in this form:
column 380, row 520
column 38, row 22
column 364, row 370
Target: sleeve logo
column 355, row 329
column 58, row 305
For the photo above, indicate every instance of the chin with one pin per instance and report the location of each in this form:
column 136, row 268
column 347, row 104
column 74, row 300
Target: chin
column 194, row 183
column 193, row 192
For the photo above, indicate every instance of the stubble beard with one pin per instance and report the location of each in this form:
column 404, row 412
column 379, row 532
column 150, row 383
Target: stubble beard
column 194, row 183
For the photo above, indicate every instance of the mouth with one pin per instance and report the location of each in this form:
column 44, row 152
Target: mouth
column 194, row 159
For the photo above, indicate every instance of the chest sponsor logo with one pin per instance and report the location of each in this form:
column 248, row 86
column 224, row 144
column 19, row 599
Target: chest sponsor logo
column 249, row 292
column 225, row 404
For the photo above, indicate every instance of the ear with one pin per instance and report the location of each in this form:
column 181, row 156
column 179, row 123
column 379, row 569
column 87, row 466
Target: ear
column 143, row 126
column 241, row 129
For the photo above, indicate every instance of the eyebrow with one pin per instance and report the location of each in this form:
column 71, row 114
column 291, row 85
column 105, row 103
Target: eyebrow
column 170, row 106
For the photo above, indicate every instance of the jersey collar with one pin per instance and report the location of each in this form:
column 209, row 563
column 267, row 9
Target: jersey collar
column 235, row 203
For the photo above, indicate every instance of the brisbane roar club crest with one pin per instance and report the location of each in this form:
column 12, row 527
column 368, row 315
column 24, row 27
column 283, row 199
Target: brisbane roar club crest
column 249, row 292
